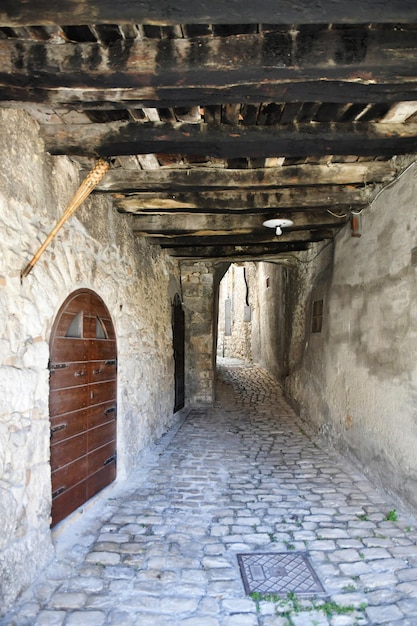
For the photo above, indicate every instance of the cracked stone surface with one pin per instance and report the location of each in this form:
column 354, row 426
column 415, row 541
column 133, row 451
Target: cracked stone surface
column 244, row 475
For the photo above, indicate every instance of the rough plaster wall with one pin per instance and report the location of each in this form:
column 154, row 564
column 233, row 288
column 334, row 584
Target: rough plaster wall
column 358, row 378
column 96, row 250
column 269, row 333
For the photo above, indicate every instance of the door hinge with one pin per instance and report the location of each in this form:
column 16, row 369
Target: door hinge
column 58, row 492
column 55, row 429
column 111, row 459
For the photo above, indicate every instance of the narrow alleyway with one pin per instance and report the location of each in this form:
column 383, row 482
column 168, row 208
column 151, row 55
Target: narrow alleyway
column 244, row 476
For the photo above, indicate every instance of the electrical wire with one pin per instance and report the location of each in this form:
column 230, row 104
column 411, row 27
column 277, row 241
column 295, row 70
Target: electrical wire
column 336, row 215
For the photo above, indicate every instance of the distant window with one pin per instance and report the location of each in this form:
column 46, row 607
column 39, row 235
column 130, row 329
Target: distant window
column 267, row 282
column 75, row 329
column 317, row 319
column 101, row 332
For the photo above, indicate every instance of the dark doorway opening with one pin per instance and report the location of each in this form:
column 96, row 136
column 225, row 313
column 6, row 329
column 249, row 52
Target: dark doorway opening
column 178, row 331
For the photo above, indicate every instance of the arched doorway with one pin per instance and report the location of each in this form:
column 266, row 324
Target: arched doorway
column 178, row 330
column 82, row 402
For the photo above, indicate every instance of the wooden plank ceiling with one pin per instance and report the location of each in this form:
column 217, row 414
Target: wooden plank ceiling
column 305, row 111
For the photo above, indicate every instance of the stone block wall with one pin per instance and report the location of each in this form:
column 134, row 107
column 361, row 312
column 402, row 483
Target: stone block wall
column 96, row 250
column 198, row 288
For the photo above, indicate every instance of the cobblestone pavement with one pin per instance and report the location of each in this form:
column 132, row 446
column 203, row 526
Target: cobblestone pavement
column 243, row 476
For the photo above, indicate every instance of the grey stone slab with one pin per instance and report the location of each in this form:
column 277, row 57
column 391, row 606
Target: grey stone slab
column 50, row 618
column 384, row 614
column 103, row 558
column 82, row 618
column 241, row 619
column 72, row 600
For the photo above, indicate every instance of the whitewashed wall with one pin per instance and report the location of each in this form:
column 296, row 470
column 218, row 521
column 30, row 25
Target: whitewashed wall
column 95, row 250
column 357, row 379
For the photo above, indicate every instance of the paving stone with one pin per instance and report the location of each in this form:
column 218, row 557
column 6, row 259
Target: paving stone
column 374, row 581
column 67, row 600
column 241, row 619
column 166, row 554
column 50, row 618
column 120, row 618
column 200, row 621
column 104, row 558
column 384, row 614
column 176, row 605
column 238, row 605
column 82, row 618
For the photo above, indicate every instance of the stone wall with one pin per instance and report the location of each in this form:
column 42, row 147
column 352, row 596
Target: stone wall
column 263, row 335
column 357, row 379
column 96, row 250
column 198, row 291
column 270, row 331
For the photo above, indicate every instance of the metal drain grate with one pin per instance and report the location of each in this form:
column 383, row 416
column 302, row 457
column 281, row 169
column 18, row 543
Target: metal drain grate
column 278, row 572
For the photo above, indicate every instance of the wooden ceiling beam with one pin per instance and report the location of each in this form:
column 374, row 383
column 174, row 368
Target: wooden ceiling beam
column 104, row 99
column 74, row 12
column 226, row 141
column 205, row 178
column 167, row 225
column 242, row 238
column 328, row 196
column 305, row 64
column 259, row 251
column 385, row 55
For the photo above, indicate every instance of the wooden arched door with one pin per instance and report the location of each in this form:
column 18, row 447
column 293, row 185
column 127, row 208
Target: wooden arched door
column 178, row 329
column 82, row 402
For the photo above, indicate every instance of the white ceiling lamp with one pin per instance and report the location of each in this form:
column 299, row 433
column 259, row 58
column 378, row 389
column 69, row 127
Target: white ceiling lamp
column 278, row 224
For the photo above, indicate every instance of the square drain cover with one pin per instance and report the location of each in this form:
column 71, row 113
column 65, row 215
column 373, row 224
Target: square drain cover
column 278, row 572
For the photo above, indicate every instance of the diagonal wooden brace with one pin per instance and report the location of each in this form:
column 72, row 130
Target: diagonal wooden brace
column 86, row 187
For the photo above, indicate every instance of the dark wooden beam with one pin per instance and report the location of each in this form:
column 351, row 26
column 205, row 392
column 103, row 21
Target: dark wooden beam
column 224, row 141
column 121, row 180
column 202, row 224
column 165, row 97
column 304, row 64
column 358, row 54
column 242, row 239
column 290, row 197
column 269, row 250
column 38, row 12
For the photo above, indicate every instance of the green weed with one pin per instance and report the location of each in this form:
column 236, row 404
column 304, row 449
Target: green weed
column 391, row 516
column 293, row 605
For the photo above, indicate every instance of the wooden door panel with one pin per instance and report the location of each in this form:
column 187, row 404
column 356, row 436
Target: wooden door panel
column 101, row 479
column 82, row 400
column 102, row 370
column 68, row 501
column 68, row 375
column 68, row 349
column 70, row 399
column 67, row 451
column 102, row 413
column 68, row 425
column 102, row 392
column 101, row 457
column 102, row 349
column 102, row 435
column 69, row 475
